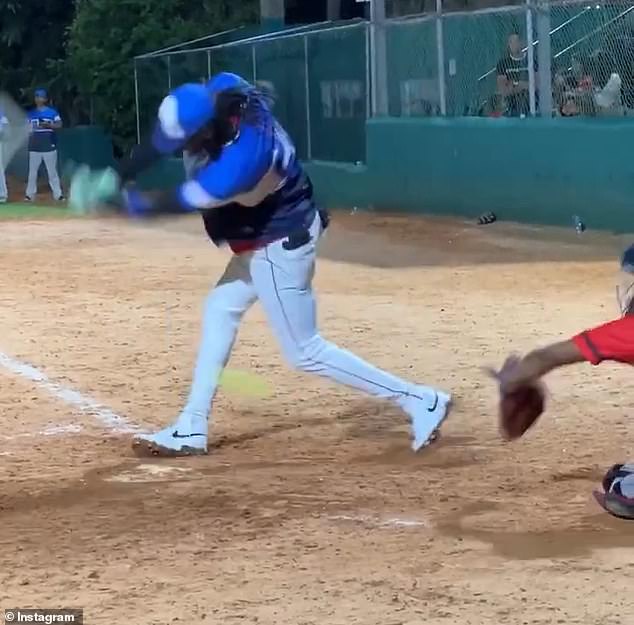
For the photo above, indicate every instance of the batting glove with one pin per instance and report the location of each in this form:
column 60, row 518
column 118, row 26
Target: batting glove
column 136, row 203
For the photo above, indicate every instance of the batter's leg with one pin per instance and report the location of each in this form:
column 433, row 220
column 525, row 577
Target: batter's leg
column 282, row 277
column 224, row 308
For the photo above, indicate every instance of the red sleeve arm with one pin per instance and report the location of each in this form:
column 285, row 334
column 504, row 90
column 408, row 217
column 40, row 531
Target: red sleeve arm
column 611, row 341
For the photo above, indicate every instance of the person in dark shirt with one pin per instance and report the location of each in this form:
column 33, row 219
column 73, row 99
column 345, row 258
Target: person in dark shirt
column 44, row 122
column 512, row 77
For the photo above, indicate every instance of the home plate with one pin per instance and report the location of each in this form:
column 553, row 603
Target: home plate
column 143, row 473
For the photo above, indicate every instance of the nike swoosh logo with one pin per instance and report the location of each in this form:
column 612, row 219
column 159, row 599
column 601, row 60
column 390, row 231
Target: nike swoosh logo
column 435, row 404
column 175, row 434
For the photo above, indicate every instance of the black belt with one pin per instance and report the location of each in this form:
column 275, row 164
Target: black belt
column 301, row 237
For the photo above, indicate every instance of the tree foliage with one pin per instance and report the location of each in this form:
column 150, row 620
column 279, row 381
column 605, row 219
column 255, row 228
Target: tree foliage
column 83, row 50
column 32, row 34
column 106, row 35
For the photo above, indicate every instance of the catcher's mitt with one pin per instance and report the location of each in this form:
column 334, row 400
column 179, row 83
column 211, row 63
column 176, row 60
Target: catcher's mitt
column 520, row 408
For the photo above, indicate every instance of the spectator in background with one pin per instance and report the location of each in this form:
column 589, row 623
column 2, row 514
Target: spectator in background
column 581, row 74
column 607, row 84
column 623, row 51
column 575, row 78
column 570, row 106
column 45, row 121
column 573, row 89
column 512, row 77
column 495, row 106
column 4, row 126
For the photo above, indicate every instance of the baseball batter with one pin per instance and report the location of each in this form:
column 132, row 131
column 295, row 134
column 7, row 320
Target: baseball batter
column 613, row 341
column 254, row 195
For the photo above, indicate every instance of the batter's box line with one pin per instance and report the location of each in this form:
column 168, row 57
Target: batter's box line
column 85, row 404
column 378, row 522
column 51, row 430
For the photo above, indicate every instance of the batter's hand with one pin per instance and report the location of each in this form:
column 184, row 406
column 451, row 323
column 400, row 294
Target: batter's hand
column 137, row 204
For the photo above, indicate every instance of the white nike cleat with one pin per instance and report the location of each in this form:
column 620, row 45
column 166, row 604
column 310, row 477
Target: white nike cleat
column 427, row 408
column 187, row 437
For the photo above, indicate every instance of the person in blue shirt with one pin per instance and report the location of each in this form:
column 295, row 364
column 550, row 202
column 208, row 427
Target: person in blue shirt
column 254, row 195
column 4, row 126
column 44, row 121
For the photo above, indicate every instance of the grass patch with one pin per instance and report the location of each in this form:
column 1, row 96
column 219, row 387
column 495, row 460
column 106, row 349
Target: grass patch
column 19, row 210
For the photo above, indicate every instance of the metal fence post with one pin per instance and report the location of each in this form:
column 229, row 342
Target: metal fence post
column 309, row 147
column 440, row 53
column 530, row 38
column 369, row 112
column 169, row 72
column 378, row 56
column 254, row 62
column 208, row 64
column 136, row 103
column 544, row 61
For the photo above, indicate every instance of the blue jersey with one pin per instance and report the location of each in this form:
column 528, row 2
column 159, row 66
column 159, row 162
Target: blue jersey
column 257, row 191
column 43, row 139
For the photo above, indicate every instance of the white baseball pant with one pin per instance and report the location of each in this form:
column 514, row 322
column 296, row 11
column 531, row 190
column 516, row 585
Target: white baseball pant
column 50, row 162
column 281, row 279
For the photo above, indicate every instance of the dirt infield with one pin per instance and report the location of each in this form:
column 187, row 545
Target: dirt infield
column 310, row 508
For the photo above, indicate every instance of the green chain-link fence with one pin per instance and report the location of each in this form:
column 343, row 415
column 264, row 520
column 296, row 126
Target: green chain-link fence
column 329, row 81
column 320, row 81
column 577, row 48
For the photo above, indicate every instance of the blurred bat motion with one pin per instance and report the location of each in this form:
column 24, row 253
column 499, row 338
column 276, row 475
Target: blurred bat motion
column 16, row 133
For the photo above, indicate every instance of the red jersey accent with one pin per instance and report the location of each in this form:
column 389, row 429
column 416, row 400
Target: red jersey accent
column 240, row 247
column 249, row 245
column 611, row 341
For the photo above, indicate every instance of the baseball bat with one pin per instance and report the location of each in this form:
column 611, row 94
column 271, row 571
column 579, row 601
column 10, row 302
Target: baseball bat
column 16, row 133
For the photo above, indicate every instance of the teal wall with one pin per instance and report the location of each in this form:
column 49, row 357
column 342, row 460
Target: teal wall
column 340, row 185
column 167, row 173
column 538, row 170
column 527, row 170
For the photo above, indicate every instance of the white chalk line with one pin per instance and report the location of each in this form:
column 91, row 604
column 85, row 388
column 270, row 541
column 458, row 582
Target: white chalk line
column 376, row 522
column 51, row 430
column 85, row 404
